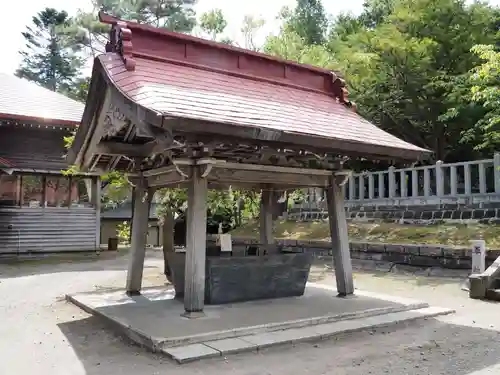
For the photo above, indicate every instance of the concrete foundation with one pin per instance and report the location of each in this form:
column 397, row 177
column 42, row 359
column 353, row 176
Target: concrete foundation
column 154, row 319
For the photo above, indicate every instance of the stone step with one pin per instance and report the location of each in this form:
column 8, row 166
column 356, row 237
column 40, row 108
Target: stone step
column 223, row 347
column 405, row 305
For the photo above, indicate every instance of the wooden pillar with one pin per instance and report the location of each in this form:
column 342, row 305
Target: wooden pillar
column 196, row 243
column 340, row 239
column 139, row 230
column 167, row 233
column 95, row 197
column 266, row 219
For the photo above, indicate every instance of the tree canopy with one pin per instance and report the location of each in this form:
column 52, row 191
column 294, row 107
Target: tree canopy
column 49, row 57
column 408, row 65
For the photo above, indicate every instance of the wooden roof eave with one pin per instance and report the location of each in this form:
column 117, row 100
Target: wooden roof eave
column 100, row 84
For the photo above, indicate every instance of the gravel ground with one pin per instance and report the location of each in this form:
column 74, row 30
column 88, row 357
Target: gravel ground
column 42, row 334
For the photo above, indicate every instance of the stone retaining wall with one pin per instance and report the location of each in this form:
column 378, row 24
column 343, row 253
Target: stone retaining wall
column 408, row 254
column 487, row 213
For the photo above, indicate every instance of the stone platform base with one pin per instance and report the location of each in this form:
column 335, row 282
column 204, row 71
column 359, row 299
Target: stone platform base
column 154, row 319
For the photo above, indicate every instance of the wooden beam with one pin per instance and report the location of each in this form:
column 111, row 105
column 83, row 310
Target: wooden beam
column 124, row 149
column 139, row 229
column 238, row 177
column 358, row 148
column 272, row 168
column 339, row 234
column 165, row 176
column 196, row 243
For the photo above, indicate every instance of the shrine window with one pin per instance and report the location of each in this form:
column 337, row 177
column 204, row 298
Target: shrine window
column 9, row 190
column 32, row 187
column 57, row 191
column 81, row 191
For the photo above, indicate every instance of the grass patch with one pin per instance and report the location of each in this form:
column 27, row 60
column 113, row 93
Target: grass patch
column 443, row 234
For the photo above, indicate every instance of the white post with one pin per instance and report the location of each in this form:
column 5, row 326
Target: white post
column 496, row 172
column 392, row 182
column 439, row 179
column 453, row 180
column 403, row 184
column 478, row 256
column 414, row 183
column 427, row 182
column 351, row 183
column 361, row 186
column 381, row 187
column 482, row 178
column 467, row 179
column 371, row 186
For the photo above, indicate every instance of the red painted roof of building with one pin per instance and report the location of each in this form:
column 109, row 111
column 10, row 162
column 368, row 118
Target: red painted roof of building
column 185, row 77
column 24, row 100
column 5, row 163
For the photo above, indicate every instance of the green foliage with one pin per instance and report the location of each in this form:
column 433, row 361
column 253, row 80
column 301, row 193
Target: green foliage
column 308, row 20
column 213, row 23
column 486, row 91
column 123, row 232
column 117, row 189
column 290, row 46
column 49, row 57
column 230, row 207
column 407, row 64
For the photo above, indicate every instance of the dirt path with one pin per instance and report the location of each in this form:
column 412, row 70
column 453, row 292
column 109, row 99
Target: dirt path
column 42, row 334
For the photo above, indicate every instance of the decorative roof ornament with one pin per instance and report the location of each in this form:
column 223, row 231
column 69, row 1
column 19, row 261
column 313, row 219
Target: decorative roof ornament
column 120, row 42
column 341, row 93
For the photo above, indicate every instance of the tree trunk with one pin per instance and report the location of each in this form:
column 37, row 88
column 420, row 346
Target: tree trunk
column 168, row 241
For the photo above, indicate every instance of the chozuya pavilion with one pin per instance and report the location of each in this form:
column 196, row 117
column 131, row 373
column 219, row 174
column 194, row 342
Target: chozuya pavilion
column 174, row 110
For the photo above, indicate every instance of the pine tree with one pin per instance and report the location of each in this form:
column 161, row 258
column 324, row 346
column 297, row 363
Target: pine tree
column 89, row 33
column 48, row 58
column 309, row 21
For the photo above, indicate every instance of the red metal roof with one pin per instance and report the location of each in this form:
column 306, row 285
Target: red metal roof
column 24, row 100
column 5, row 163
column 186, row 77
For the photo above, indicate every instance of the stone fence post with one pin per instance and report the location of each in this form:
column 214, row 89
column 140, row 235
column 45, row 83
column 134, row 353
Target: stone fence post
column 478, row 256
column 496, row 172
column 439, row 179
column 392, row 182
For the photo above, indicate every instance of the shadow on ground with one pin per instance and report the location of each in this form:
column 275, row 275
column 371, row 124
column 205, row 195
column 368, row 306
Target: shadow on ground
column 424, row 347
column 115, row 261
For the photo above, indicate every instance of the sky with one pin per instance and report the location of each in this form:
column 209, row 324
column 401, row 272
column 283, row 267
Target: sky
column 234, row 11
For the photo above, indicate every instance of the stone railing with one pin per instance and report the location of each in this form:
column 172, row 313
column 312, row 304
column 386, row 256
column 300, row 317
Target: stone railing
column 465, row 183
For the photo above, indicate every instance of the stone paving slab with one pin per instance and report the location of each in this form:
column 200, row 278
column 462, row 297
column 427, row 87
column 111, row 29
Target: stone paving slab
column 193, row 352
column 311, row 333
column 231, row 346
